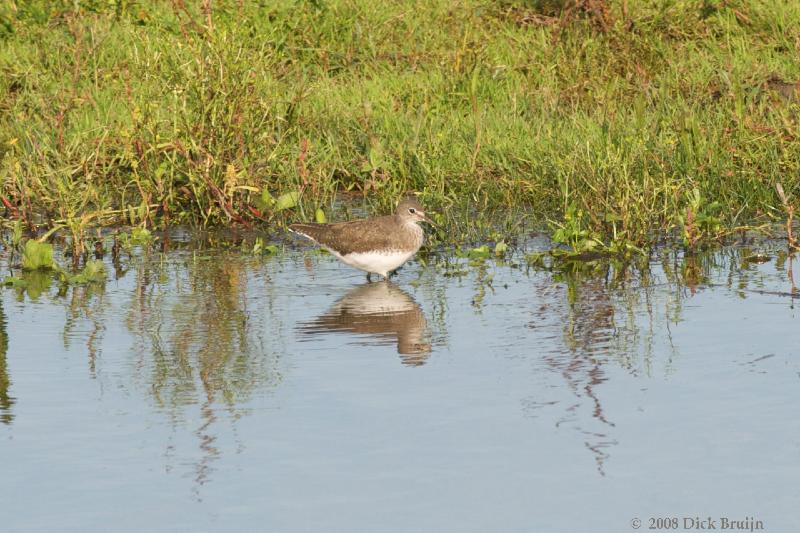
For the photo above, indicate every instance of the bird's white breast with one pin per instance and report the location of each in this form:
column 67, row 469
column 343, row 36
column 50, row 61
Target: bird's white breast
column 381, row 262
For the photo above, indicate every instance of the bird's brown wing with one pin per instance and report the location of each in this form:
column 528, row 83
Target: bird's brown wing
column 349, row 237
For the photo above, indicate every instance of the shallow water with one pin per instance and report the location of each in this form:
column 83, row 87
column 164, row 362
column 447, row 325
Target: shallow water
column 200, row 391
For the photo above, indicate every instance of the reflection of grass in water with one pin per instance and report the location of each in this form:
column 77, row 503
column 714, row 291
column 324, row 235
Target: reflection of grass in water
column 192, row 319
column 617, row 313
column 198, row 342
column 6, row 401
column 85, row 301
column 37, row 281
column 33, row 283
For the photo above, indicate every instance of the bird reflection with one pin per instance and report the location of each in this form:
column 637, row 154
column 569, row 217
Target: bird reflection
column 383, row 313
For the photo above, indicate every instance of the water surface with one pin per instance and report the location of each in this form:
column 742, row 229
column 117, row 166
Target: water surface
column 206, row 390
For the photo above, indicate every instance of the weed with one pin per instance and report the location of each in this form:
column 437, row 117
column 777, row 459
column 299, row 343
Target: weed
column 701, row 222
column 137, row 237
column 37, row 256
column 92, row 272
column 575, row 233
column 259, row 248
column 789, row 208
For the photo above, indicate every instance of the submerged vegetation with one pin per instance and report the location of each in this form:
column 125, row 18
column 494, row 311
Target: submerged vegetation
column 621, row 122
column 39, row 267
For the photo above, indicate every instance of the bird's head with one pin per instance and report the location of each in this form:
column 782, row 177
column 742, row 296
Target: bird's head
column 412, row 211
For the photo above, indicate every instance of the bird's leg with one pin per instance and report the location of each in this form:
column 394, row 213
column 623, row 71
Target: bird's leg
column 392, row 273
column 369, row 277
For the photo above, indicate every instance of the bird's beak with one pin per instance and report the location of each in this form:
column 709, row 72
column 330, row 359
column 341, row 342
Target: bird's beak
column 428, row 220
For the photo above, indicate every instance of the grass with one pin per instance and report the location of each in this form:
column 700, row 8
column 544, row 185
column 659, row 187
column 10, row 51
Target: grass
column 656, row 118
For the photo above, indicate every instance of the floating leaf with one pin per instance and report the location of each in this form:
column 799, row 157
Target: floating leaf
column 500, row 248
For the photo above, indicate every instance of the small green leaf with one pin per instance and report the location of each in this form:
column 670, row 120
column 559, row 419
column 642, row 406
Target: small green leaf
column 161, row 170
column 319, row 216
column 16, row 235
column 473, row 83
column 500, row 248
column 287, row 200
column 376, row 158
column 93, row 272
column 141, row 236
column 481, row 252
column 266, row 199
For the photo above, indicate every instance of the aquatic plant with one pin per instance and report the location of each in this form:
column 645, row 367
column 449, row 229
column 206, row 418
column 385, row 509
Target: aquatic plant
column 701, row 220
column 39, row 269
column 93, row 272
column 16, row 233
column 260, row 248
column 575, row 232
column 138, row 236
column 37, row 256
column 287, row 201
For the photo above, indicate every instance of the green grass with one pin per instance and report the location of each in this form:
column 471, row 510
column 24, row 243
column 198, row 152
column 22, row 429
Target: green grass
column 148, row 113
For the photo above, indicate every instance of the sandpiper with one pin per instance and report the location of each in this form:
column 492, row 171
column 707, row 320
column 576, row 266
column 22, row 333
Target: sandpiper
column 375, row 245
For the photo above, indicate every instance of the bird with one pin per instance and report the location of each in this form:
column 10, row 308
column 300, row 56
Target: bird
column 377, row 245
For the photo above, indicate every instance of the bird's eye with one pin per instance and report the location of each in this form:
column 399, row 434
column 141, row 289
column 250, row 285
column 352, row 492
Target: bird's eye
column 412, row 210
